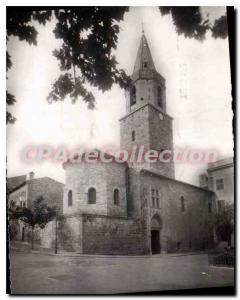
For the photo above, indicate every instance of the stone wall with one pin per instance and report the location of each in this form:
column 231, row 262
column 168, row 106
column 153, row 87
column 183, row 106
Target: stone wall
column 146, row 92
column 50, row 189
column 151, row 132
column 104, row 178
column 111, row 235
column 161, row 138
column 116, row 179
column 79, row 178
column 187, row 230
column 137, row 121
column 48, row 235
column 134, row 198
column 69, row 231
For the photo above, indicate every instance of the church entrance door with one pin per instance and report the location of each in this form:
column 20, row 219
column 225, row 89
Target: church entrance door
column 155, row 241
column 156, row 226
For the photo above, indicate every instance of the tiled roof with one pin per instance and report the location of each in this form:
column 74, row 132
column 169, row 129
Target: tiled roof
column 14, row 182
column 143, row 56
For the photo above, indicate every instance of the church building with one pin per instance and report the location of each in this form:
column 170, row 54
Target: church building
column 136, row 208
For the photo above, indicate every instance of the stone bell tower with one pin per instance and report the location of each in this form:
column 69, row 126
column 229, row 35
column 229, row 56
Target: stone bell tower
column 147, row 122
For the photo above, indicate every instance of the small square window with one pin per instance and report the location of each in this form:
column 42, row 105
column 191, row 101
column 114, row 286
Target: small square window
column 219, row 184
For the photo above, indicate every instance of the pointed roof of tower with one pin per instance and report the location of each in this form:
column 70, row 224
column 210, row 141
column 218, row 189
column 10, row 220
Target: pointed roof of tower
column 144, row 57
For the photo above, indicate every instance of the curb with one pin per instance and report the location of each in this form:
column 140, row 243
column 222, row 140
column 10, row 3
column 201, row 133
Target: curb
column 65, row 254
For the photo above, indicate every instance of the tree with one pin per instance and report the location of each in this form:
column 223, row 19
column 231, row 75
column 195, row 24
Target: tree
column 189, row 21
column 89, row 35
column 224, row 223
column 39, row 214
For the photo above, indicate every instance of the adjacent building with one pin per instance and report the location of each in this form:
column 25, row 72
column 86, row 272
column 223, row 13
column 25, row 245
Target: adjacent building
column 219, row 178
column 23, row 190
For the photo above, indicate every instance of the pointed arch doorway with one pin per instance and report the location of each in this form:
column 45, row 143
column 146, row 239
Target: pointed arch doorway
column 156, row 226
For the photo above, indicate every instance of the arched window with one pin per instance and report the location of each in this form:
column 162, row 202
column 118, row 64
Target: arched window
column 133, row 135
column 159, row 96
column 69, row 198
column 182, row 203
column 91, row 196
column 116, row 197
column 133, row 95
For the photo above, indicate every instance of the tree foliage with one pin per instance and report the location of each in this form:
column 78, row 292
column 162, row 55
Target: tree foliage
column 189, row 21
column 224, row 223
column 89, row 36
column 39, row 214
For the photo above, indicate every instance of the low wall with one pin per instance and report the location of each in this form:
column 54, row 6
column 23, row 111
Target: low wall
column 48, row 235
column 111, row 235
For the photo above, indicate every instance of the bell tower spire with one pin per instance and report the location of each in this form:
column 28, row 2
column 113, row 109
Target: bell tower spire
column 147, row 123
column 148, row 85
column 144, row 58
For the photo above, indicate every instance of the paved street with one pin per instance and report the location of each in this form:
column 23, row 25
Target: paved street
column 49, row 274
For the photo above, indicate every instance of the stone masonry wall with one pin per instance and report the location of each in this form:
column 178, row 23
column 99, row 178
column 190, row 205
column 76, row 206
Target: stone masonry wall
column 111, row 235
column 150, row 132
column 116, row 179
column 69, row 231
column 161, row 138
column 146, row 92
column 104, row 177
column 137, row 121
column 186, row 230
column 79, row 178
column 50, row 189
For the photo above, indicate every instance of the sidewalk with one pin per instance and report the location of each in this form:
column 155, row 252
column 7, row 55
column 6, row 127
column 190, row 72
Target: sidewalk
column 47, row 251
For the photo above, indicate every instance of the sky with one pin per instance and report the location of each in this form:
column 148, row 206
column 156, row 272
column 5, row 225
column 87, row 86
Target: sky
column 198, row 91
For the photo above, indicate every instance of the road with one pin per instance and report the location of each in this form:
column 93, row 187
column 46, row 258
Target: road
column 49, row 274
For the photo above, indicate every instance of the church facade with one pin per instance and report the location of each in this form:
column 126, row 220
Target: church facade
column 136, row 208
